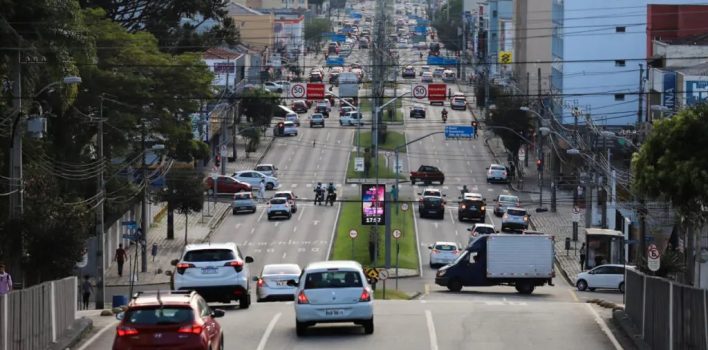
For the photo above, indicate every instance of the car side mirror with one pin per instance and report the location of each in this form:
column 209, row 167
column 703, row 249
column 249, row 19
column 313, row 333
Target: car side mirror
column 430, row 247
column 292, row 283
column 249, row 260
column 469, row 229
column 168, row 273
column 459, row 197
column 120, row 316
column 255, row 279
column 487, row 168
column 174, row 262
column 216, row 313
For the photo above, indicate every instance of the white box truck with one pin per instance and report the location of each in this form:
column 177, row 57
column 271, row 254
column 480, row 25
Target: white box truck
column 524, row 261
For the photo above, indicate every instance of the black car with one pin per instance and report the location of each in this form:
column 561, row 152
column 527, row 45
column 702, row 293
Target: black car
column 472, row 209
column 300, row 106
column 417, row 112
column 431, row 206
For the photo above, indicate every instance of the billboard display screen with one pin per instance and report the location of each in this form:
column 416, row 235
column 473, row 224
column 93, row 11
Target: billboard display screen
column 372, row 204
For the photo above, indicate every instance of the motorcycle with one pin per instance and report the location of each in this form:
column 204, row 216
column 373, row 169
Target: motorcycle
column 444, row 117
column 319, row 197
column 331, row 198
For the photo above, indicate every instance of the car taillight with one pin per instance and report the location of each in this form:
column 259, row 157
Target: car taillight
column 463, row 206
column 183, row 266
column 123, row 331
column 435, row 251
column 192, row 329
column 302, row 298
column 260, row 283
column 483, row 208
column 236, row 264
column 365, row 295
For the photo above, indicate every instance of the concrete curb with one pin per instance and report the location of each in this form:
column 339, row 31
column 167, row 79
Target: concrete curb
column 265, row 152
column 73, row 335
column 620, row 318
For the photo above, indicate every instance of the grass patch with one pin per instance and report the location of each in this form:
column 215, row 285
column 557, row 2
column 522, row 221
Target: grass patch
column 393, row 140
column 391, row 294
column 384, row 171
column 350, row 218
column 365, row 105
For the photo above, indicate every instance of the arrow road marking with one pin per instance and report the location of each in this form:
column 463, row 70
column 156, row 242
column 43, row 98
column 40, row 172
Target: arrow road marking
column 269, row 329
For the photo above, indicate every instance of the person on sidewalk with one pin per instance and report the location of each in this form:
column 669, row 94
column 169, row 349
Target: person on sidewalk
column 261, row 190
column 86, row 290
column 582, row 257
column 120, row 258
column 5, row 281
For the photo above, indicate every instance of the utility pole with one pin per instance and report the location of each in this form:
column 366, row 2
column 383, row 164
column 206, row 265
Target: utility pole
column 16, row 190
column 641, row 96
column 100, row 239
column 143, row 222
column 224, row 129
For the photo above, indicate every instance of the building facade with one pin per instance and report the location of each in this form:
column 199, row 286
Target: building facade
column 256, row 28
column 532, row 46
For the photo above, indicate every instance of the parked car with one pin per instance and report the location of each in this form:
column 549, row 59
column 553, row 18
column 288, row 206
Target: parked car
column 316, row 77
column 243, row 202
column 333, row 291
column 272, row 283
column 504, row 201
column 217, row 271
column 417, row 111
column 515, row 219
column 168, row 320
column 254, row 179
column 443, row 253
column 608, row 276
column 222, row 184
column 317, row 119
column 497, row 173
column 273, row 87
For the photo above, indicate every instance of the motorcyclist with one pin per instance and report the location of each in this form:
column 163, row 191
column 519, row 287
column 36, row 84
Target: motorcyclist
column 444, row 114
column 319, row 193
column 421, row 55
column 464, row 190
column 331, row 194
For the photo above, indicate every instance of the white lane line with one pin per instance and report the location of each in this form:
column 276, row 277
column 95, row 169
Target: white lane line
column 97, row 335
column 237, row 226
column 295, row 229
column 253, row 229
column 436, row 225
column 299, row 217
column 452, row 217
column 491, row 219
column 284, row 254
column 431, row 330
column 261, row 216
column 604, row 328
column 277, row 223
column 293, row 185
column 269, row 329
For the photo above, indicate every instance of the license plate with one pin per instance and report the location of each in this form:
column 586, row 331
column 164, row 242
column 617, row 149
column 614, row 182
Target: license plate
column 432, row 211
column 208, row 270
column 281, row 283
column 334, row 312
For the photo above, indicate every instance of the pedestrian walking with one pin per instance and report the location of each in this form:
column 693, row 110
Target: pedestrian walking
column 86, row 290
column 582, row 257
column 5, row 281
column 261, row 189
column 120, row 258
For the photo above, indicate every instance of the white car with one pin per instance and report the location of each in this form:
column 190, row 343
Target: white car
column 289, row 128
column 279, row 207
column 608, row 276
column 272, row 284
column 426, row 77
column 480, row 229
column 443, row 253
column 497, row 173
column 352, row 118
column 333, row 291
column 434, row 192
column 267, row 169
column 515, row 219
column 273, row 87
column 254, row 178
column 290, row 196
column 217, row 271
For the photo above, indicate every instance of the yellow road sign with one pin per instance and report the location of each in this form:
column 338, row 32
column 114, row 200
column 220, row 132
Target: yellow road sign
column 371, row 273
column 505, row 57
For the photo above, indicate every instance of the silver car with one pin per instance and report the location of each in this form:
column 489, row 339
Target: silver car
column 443, row 253
column 254, row 178
column 515, row 219
column 272, row 284
column 279, row 207
column 497, row 173
column 243, row 202
column 505, row 201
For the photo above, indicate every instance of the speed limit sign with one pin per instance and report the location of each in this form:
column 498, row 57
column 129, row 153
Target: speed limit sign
column 420, row 91
column 298, row 90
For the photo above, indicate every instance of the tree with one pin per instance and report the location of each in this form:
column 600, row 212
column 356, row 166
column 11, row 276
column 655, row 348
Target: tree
column 447, row 22
column 314, row 29
column 259, row 106
column 183, row 193
column 507, row 114
column 317, row 4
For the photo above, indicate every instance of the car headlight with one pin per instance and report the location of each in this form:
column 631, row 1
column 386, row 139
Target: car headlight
column 441, row 272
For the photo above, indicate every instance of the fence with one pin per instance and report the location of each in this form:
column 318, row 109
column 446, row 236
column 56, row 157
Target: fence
column 35, row 317
column 668, row 314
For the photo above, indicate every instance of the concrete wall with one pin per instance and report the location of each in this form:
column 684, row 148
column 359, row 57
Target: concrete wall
column 532, row 44
column 256, row 30
column 680, row 55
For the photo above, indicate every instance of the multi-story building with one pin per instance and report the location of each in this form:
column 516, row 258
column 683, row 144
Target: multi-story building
column 500, row 33
column 532, row 46
column 256, row 28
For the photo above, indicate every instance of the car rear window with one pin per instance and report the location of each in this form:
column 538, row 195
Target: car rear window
column 484, row 230
column 282, row 195
column 508, row 199
column 446, row 247
column 278, row 200
column 159, row 316
column 516, row 212
column 497, row 167
column 242, row 196
column 432, row 200
column 333, row 279
column 281, row 270
column 431, row 193
column 209, row 255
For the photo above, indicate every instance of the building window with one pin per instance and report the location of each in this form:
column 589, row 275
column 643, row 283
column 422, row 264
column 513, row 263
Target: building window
column 620, row 63
column 620, row 29
column 619, row 97
column 494, row 13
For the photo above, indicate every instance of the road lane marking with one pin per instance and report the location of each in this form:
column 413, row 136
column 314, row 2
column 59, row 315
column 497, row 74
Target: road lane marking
column 277, row 223
column 253, row 229
column 261, row 216
column 299, row 217
column 237, row 226
column 295, row 229
column 431, row 330
column 436, row 225
column 269, row 329
column 98, row 335
column 293, row 185
column 452, row 217
column 491, row 218
column 604, row 327
column 427, row 289
column 284, row 254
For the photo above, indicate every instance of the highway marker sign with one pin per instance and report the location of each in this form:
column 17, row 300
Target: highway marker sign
column 298, row 90
column 458, row 131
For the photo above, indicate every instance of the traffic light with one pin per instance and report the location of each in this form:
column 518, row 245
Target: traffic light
column 217, row 160
column 539, row 165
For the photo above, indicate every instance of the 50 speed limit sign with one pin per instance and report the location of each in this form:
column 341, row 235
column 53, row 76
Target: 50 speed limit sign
column 298, row 90
column 420, row 91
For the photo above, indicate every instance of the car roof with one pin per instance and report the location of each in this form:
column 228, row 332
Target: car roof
column 169, row 298
column 202, row 246
column 483, row 225
column 446, row 243
column 288, row 122
column 472, row 195
column 288, row 192
column 264, row 164
column 431, row 189
column 614, row 265
column 331, row 264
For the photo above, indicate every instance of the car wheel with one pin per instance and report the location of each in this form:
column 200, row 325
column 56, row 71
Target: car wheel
column 270, row 186
column 412, row 181
column 221, row 342
column 235, row 211
column 245, row 301
column 525, row 288
column 300, row 328
column 454, row 285
column 459, row 218
column 369, row 326
column 581, row 285
column 270, row 217
column 621, row 287
column 280, row 91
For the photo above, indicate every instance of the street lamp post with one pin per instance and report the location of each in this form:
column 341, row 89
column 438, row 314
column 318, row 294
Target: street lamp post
column 541, row 162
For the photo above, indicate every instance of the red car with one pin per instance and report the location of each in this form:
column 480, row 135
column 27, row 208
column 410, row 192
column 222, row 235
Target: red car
column 225, row 185
column 168, row 320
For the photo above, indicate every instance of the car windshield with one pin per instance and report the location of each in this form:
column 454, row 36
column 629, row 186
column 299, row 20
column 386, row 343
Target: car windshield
column 281, row 270
column 242, row 196
column 209, row 255
column 461, row 257
column 445, row 247
column 516, row 212
column 158, row 316
column 278, row 201
column 333, row 279
column 431, row 193
column 432, row 200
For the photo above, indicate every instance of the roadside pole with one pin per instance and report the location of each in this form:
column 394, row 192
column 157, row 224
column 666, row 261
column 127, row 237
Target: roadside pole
column 396, row 235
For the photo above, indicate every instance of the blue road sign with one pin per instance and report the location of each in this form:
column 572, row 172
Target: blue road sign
column 335, row 61
column 130, row 224
column 339, row 38
column 458, row 131
column 421, row 29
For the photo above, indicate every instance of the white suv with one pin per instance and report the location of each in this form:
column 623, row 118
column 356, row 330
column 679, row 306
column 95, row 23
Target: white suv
column 217, row 271
column 332, row 292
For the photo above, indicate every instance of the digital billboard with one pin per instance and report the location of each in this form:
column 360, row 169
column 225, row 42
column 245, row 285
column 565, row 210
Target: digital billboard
column 372, row 204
